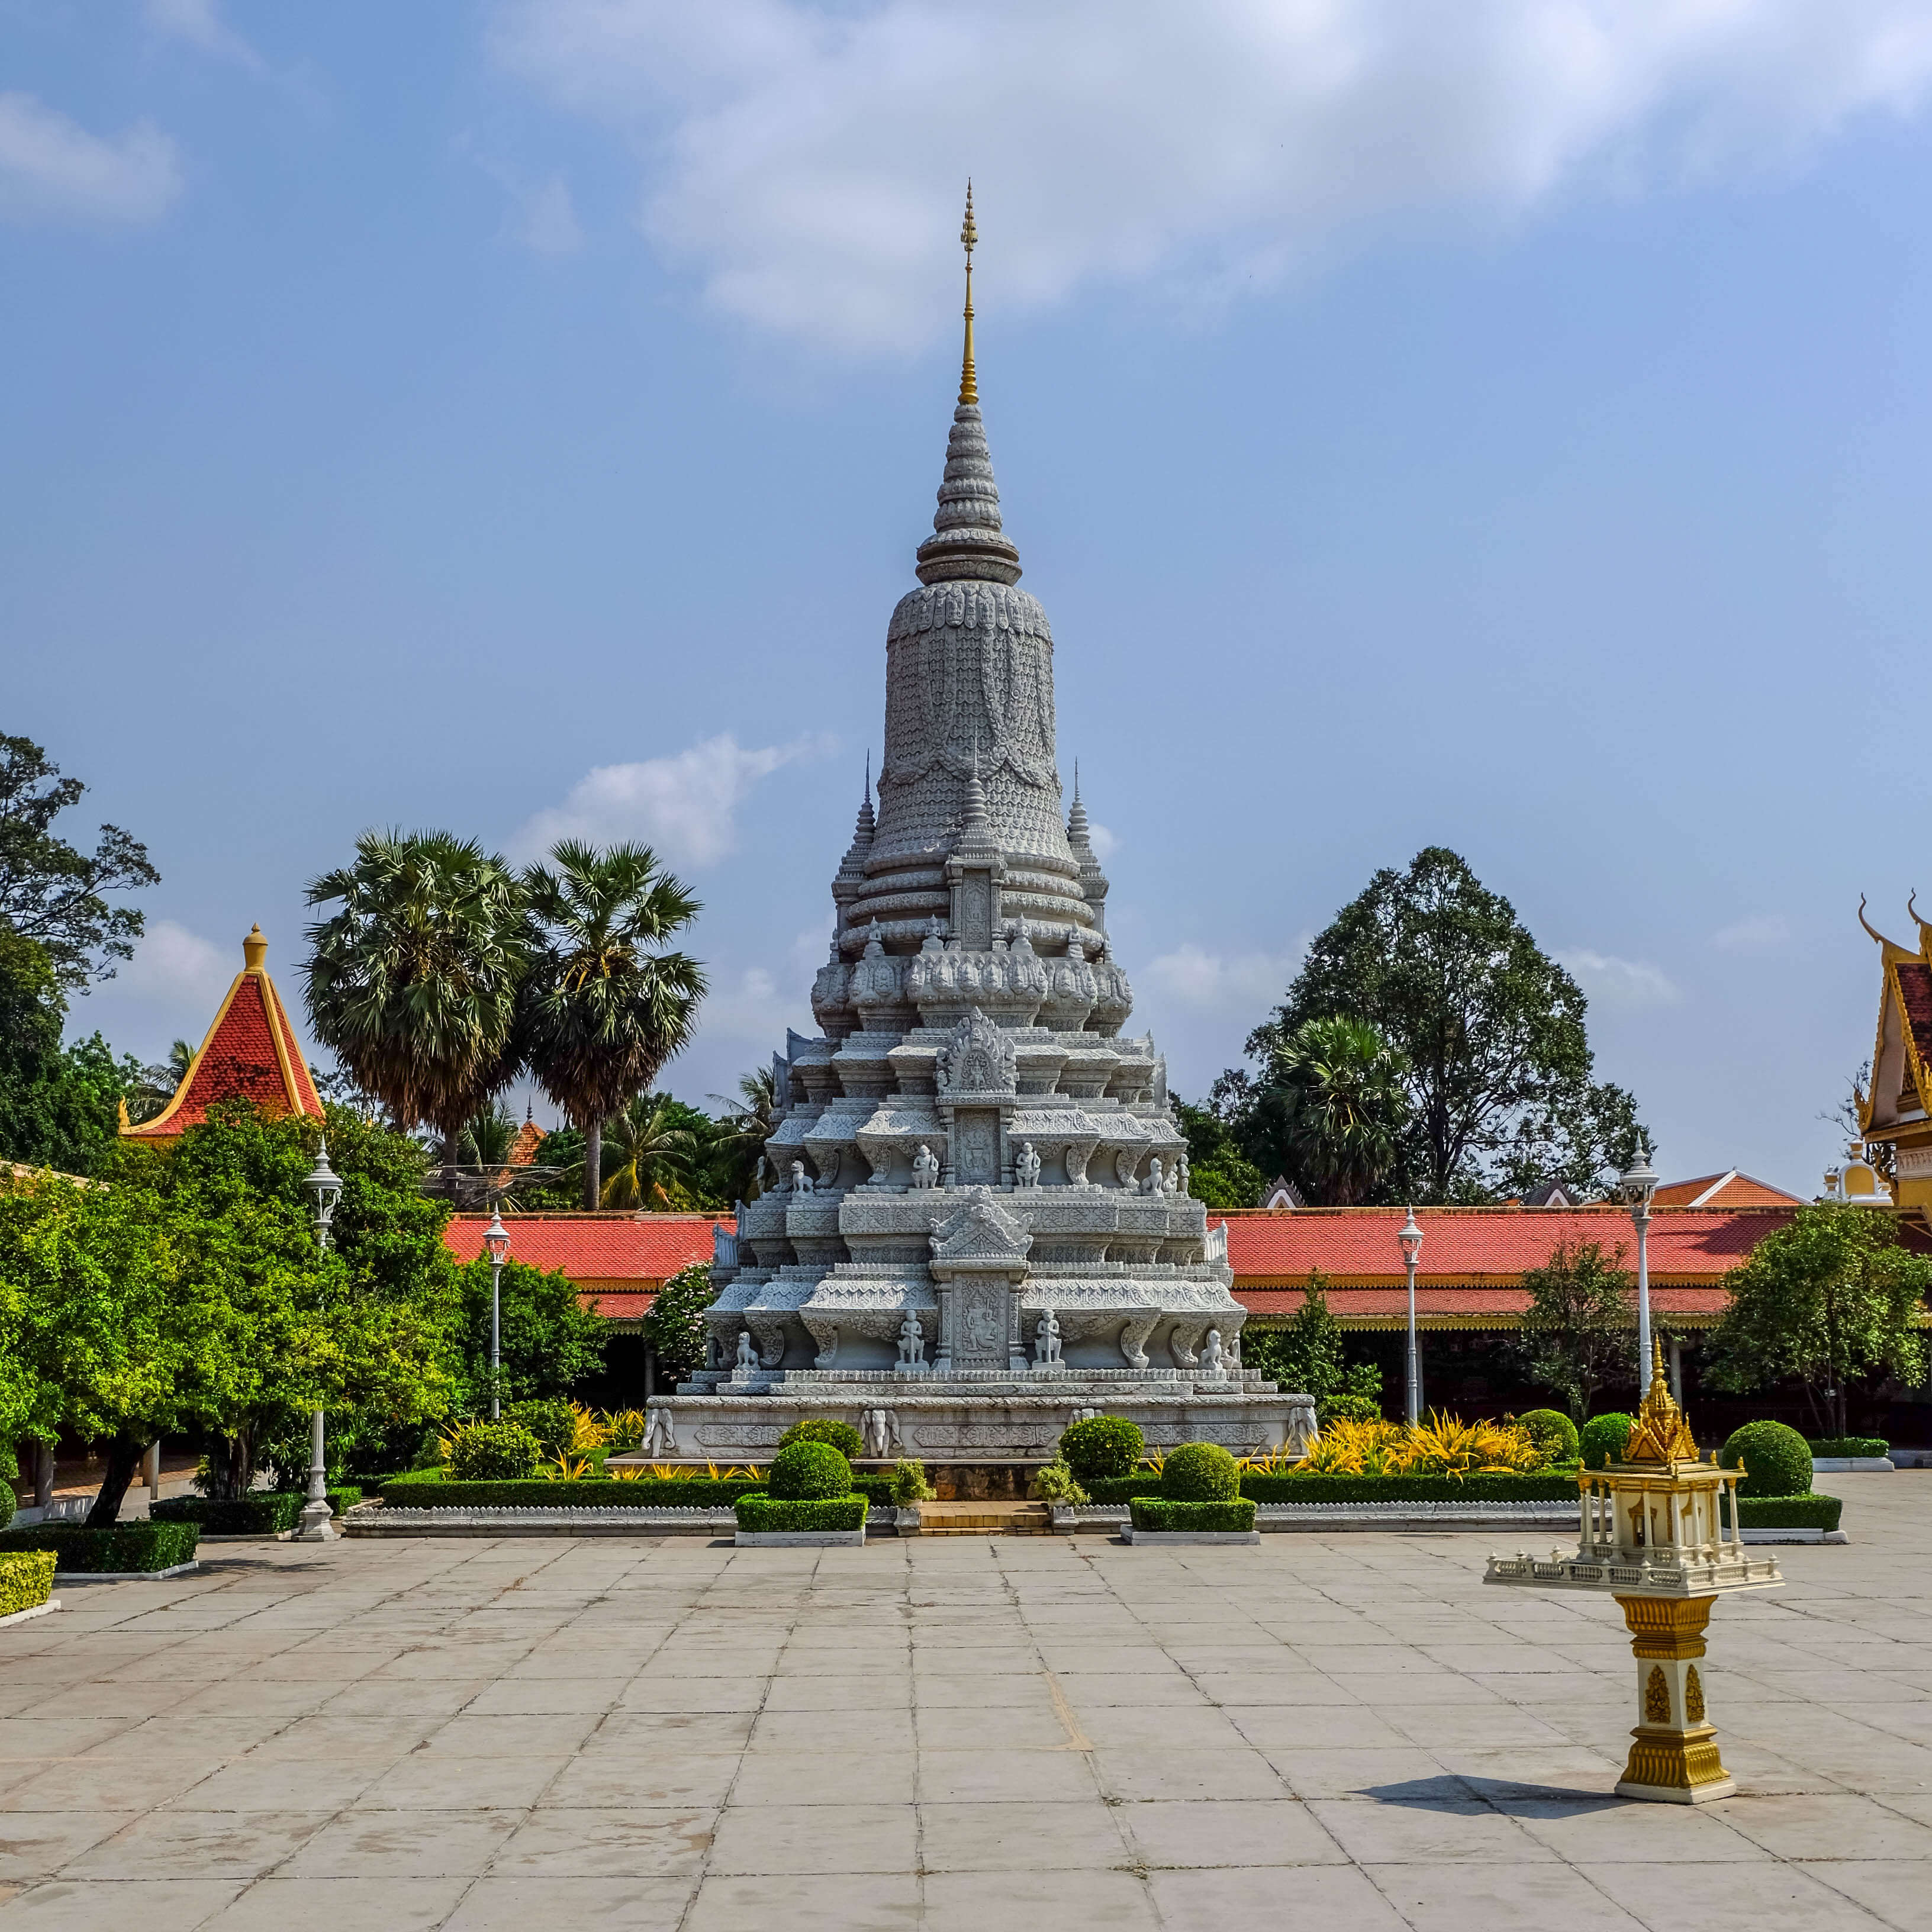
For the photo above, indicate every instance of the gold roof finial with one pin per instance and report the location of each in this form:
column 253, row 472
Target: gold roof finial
column 1662, row 1434
column 969, row 386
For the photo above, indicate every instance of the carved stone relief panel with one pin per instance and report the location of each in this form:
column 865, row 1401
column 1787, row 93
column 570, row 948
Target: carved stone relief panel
column 976, row 1147
column 975, row 910
column 981, row 1320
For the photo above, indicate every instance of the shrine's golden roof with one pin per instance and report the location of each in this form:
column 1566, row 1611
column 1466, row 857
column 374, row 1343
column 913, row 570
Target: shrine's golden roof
column 1662, row 1435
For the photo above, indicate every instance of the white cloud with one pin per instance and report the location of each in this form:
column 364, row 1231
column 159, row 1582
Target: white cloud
column 52, row 169
column 1759, row 934
column 1104, row 843
column 1622, row 982
column 200, row 24
column 805, row 157
column 685, row 805
column 174, row 966
column 1213, row 981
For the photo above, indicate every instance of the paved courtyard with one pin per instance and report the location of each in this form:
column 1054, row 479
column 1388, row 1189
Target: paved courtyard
column 1336, row 1732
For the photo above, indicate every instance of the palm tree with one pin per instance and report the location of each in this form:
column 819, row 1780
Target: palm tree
column 1340, row 1087
column 747, row 1123
column 654, row 1158
column 413, row 982
column 606, row 1006
column 159, row 1084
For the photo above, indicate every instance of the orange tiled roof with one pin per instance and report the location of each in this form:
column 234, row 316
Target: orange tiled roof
column 1729, row 1190
column 251, row 1053
column 635, row 1252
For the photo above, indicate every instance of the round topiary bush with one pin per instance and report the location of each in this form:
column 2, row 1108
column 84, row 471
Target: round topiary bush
column 1553, row 1433
column 549, row 1418
column 804, row 1472
column 1777, row 1461
column 1200, row 1472
column 1604, row 1438
column 1101, row 1447
column 494, row 1452
column 841, row 1436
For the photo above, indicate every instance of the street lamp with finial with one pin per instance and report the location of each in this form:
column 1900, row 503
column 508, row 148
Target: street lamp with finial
column 323, row 1185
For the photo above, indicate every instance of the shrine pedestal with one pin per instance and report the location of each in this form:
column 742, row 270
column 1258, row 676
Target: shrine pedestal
column 1673, row 1757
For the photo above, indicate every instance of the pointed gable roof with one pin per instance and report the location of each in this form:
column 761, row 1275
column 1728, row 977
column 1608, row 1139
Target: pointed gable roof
column 251, row 1053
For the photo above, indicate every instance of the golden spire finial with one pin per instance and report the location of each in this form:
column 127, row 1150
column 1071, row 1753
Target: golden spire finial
column 969, row 386
column 1662, row 1434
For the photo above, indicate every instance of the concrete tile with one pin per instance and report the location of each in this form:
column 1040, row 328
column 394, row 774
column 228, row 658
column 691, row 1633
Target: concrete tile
column 1477, row 1898
column 147, row 1905
column 1004, row 1727
column 1425, row 1831
column 545, row 1696
column 1236, row 1773
column 969, row 1901
column 684, row 1733
column 846, row 1902
column 1141, row 1727
column 470, row 1735
column 807, row 1777
column 838, row 1694
column 642, row 1842
column 1317, row 1727
column 1768, row 1898
column 653, row 1692
column 833, row 1731
column 403, row 1844
column 1894, row 1891
column 292, row 1784
column 341, row 1905
column 1338, row 1898
column 599, row 1780
column 197, row 1844
column 1602, row 1831
column 1037, row 1776
column 1186, row 1835
column 1344, row 1773
column 425, row 1781
column 517, row 1904
column 426, row 1697
column 1821, row 1825
column 771, row 1840
column 38, row 1844
column 993, row 1836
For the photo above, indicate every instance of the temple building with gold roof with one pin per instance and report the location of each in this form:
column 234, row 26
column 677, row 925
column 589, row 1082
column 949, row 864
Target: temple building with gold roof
column 1898, row 1109
column 251, row 1053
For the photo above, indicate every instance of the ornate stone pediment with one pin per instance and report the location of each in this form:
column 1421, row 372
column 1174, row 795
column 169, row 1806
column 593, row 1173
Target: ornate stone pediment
column 981, row 1235
column 978, row 1059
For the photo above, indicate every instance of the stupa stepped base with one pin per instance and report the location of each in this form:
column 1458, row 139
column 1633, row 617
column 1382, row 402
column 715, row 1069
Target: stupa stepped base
column 982, row 1420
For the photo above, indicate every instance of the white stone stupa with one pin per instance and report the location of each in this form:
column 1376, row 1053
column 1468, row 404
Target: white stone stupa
column 980, row 1226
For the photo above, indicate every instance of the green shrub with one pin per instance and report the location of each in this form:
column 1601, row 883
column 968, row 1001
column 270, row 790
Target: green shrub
column 1800, row 1512
column 126, row 1546
column 1200, row 1472
column 1346, row 1408
column 1776, row 1460
column 1055, row 1482
column 1099, row 1446
column 1169, row 1514
column 1553, row 1433
column 809, row 1471
column 1848, row 1445
column 761, row 1515
column 6, row 1499
column 494, row 1452
column 839, row 1435
column 261, row 1513
column 1543, row 1486
column 909, row 1483
column 549, row 1418
column 429, row 1489
column 1604, row 1438
column 876, row 1489
column 26, row 1580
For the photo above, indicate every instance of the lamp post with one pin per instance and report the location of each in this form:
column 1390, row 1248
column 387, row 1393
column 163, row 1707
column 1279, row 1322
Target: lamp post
column 496, row 1239
column 324, row 1188
column 1410, row 1236
column 1638, row 1185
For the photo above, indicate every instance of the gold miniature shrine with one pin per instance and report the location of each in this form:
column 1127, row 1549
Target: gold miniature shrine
column 1660, row 1530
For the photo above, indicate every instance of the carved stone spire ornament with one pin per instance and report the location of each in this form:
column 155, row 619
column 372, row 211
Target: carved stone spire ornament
column 964, row 1140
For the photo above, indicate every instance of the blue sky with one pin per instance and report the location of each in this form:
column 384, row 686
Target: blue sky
column 1501, row 424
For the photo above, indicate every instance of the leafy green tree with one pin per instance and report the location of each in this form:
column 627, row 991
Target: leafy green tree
column 1498, row 1071
column 1828, row 1300
column 676, row 1324
column 58, row 1104
column 1218, row 1173
column 1308, row 1356
column 1579, row 1333
column 653, row 1169
column 1337, row 1086
column 607, row 1004
column 550, row 1341
column 52, row 893
column 746, row 1124
column 413, row 981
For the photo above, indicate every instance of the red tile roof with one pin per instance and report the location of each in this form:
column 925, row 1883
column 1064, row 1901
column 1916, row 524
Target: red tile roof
column 251, row 1053
column 636, row 1251
column 1915, row 996
column 1729, row 1190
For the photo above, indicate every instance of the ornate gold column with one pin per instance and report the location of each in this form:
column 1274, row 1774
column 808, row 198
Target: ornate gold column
column 1674, row 1756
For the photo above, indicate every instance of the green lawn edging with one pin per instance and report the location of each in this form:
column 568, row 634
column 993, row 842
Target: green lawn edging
column 429, row 1489
column 1169, row 1515
column 1554, row 1486
column 261, row 1513
column 759, row 1514
column 122, row 1547
column 26, row 1580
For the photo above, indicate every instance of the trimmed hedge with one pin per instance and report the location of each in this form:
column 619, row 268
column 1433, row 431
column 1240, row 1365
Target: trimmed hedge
column 1101, row 1448
column 26, row 1581
column 430, row 1489
column 807, row 1471
column 1604, row 1438
column 1200, row 1472
column 762, row 1515
column 1556, row 1486
column 1805, row 1512
column 1553, row 1433
column 827, row 1429
column 1166, row 1513
column 1848, row 1445
column 494, row 1452
column 1776, row 1460
column 261, row 1513
column 126, row 1546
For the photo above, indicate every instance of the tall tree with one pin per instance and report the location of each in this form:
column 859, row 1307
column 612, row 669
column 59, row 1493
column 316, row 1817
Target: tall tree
column 1498, row 1070
column 655, row 1157
column 53, row 892
column 607, row 1004
column 745, row 1126
column 1337, row 1086
column 1579, row 1330
column 413, row 982
column 1218, row 1172
column 1828, row 1300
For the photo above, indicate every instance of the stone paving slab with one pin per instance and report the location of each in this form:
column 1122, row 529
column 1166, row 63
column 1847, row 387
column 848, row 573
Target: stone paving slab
column 1349, row 1732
